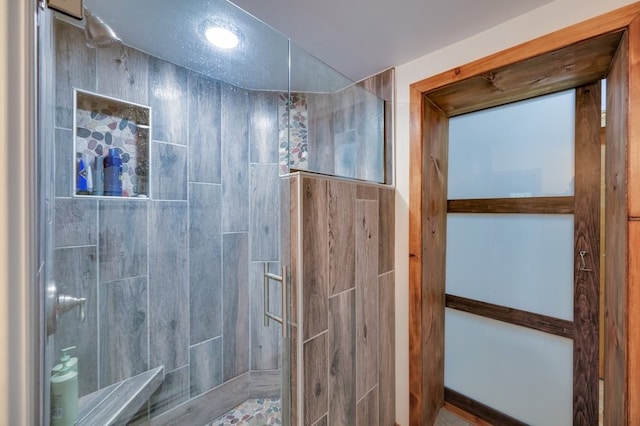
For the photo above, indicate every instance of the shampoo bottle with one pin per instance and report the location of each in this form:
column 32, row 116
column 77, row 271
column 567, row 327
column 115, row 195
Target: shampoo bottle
column 98, row 176
column 64, row 391
column 81, row 175
column 88, row 166
column 113, row 173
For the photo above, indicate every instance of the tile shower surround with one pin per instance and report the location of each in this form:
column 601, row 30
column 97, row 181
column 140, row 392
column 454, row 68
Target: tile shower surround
column 149, row 294
column 343, row 307
column 174, row 280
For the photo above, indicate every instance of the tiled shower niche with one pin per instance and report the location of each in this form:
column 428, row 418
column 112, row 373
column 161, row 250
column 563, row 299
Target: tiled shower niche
column 111, row 154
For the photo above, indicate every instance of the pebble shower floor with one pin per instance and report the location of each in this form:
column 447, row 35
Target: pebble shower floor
column 253, row 412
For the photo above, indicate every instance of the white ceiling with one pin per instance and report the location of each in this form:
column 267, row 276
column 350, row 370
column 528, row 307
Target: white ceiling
column 358, row 38
column 362, row 37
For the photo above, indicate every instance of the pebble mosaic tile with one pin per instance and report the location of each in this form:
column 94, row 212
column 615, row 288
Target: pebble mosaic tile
column 252, row 412
column 293, row 133
column 102, row 124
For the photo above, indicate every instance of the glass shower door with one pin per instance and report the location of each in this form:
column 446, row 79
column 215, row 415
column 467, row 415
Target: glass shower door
column 163, row 182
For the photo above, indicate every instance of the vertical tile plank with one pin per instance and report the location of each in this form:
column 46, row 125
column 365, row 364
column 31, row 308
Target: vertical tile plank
column 315, row 259
column 367, row 414
column 289, row 195
column 382, row 85
column 386, row 232
column 315, row 378
column 64, row 165
column 265, row 341
column 168, row 285
column 342, row 260
column 342, row 352
column 205, row 262
column 387, row 350
column 366, row 296
column 75, row 222
column 168, row 99
column 168, row 171
column 122, row 73
column 173, row 391
column 320, row 139
column 124, row 348
column 205, row 366
column 122, row 239
column 75, row 273
column 204, row 129
column 367, row 192
column 75, row 67
column 264, row 219
column 322, row 422
column 263, row 127
column 235, row 159
column 235, row 293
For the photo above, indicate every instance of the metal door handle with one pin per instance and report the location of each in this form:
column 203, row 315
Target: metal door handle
column 57, row 304
column 268, row 315
column 66, row 303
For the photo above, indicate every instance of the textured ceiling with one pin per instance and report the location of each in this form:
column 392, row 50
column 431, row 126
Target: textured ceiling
column 362, row 37
column 356, row 37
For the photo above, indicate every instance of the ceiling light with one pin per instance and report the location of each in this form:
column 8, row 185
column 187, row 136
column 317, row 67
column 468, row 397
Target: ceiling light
column 221, row 37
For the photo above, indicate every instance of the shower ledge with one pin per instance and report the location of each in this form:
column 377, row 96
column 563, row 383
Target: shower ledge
column 118, row 403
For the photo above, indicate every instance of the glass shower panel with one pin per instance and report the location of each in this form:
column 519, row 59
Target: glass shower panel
column 523, row 373
column 524, row 149
column 521, row 261
column 171, row 274
column 336, row 126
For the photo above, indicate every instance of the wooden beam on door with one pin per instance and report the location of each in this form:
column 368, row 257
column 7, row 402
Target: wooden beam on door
column 586, row 304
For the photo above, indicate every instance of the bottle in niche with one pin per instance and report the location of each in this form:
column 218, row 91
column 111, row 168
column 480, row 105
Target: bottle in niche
column 98, row 176
column 113, row 173
column 81, row 175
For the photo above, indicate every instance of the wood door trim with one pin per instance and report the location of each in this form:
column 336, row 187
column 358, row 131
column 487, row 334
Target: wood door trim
column 539, row 322
column 609, row 22
column 633, row 179
column 536, row 205
column 624, row 400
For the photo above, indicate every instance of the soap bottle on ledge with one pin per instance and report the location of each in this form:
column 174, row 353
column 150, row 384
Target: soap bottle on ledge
column 113, row 173
column 64, row 391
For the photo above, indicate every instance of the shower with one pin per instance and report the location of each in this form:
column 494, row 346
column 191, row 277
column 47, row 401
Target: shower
column 97, row 33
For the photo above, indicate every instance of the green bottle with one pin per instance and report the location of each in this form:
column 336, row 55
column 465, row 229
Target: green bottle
column 64, row 391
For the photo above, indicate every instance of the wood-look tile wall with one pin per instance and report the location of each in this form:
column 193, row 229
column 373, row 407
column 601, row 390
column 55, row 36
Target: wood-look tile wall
column 345, row 282
column 174, row 280
column 344, row 130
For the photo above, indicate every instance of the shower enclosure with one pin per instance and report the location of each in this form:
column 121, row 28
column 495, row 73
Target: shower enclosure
column 168, row 236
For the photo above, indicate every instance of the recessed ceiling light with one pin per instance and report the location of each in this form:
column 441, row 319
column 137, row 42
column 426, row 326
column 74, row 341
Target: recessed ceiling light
column 221, row 37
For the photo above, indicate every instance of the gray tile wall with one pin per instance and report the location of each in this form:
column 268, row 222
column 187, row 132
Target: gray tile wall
column 347, row 325
column 174, row 280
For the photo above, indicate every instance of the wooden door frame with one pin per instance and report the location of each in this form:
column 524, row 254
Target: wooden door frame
column 429, row 112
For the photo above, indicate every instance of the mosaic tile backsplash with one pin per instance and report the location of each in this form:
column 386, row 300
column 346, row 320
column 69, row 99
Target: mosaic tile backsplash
column 101, row 124
column 293, row 134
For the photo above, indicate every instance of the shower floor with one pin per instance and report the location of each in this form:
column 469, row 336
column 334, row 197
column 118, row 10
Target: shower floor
column 252, row 412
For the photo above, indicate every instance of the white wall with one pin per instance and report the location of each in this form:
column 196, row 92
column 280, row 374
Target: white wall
column 18, row 331
column 551, row 17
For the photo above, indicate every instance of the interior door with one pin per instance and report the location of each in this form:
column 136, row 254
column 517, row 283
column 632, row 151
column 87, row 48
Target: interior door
column 522, row 260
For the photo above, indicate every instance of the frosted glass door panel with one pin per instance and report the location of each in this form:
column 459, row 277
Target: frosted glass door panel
column 523, row 373
column 524, row 149
column 522, row 261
